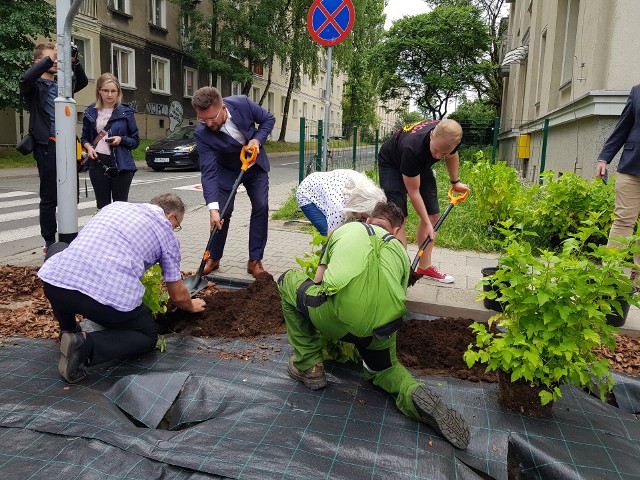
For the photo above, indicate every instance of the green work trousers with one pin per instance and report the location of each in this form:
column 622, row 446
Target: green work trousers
column 381, row 365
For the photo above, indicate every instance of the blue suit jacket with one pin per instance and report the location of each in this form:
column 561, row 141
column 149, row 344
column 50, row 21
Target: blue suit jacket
column 626, row 134
column 217, row 149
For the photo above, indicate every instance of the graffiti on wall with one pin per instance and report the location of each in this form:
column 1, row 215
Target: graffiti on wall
column 174, row 111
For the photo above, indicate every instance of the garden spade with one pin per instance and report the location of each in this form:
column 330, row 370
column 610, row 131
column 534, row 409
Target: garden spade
column 453, row 201
column 195, row 283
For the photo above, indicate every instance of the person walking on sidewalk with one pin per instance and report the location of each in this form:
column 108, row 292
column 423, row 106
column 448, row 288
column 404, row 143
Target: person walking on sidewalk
column 329, row 199
column 358, row 296
column 627, row 205
column 109, row 134
column 405, row 162
column 98, row 276
column 39, row 88
column 226, row 127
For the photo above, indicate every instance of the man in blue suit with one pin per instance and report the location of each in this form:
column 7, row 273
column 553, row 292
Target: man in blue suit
column 625, row 135
column 226, row 127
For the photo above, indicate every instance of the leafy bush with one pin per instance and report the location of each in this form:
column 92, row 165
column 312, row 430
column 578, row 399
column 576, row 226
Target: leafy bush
column 564, row 203
column 555, row 308
column 155, row 296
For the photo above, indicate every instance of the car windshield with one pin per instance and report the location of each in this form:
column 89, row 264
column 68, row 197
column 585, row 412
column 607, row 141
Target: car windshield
column 183, row 133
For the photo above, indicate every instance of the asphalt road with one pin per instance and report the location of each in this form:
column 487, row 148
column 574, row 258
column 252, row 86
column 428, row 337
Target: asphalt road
column 19, row 227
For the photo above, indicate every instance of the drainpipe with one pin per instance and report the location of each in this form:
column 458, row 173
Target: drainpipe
column 543, row 153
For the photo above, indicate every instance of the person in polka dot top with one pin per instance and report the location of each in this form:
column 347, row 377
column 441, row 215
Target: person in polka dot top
column 330, row 199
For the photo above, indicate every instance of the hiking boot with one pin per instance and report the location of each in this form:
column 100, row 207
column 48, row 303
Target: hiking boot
column 75, row 353
column 432, row 272
column 313, row 378
column 444, row 420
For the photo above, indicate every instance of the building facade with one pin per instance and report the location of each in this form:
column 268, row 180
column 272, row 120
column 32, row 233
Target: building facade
column 571, row 62
column 142, row 43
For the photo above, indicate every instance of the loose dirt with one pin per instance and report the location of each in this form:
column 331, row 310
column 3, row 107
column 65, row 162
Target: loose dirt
column 427, row 347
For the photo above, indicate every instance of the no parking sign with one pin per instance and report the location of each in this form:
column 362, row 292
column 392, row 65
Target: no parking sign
column 330, row 21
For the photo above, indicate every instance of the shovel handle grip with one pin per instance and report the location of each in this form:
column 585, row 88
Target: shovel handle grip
column 457, row 199
column 248, row 161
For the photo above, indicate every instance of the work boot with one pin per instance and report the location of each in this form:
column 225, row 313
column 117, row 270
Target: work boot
column 210, row 266
column 313, row 378
column 444, row 420
column 75, row 354
column 255, row 268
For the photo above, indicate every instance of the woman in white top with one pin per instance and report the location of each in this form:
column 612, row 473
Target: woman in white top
column 330, row 199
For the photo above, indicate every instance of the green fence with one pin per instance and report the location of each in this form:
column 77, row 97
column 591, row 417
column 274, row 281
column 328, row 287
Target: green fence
column 357, row 148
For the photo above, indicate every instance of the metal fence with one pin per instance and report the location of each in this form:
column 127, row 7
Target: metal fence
column 357, row 148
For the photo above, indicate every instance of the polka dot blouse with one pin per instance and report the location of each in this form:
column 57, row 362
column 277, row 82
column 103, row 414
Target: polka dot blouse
column 325, row 191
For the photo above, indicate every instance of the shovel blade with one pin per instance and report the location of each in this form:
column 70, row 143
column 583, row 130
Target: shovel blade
column 194, row 284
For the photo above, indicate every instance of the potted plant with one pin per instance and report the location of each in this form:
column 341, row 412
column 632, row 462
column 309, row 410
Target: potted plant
column 555, row 308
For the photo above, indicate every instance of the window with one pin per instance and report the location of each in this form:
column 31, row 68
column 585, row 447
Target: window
column 271, row 102
column 258, row 69
column 283, row 100
column 236, row 88
column 571, row 30
column 187, row 25
column 313, row 112
column 84, row 53
column 190, row 81
column 294, row 111
column 159, row 75
column 157, row 13
column 123, row 65
column 304, row 109
column 218, row 82
column 255, row 94
column 543, row 47
column 121, row 6
column 283, row 69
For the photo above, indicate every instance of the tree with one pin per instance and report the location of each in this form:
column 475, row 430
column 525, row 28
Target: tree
column 492, row 15
column 360, row 97
column 433, row 56
column 22, row 22
column 476, row 117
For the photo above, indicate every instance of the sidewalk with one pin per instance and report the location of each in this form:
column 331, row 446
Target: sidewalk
column 286, row 241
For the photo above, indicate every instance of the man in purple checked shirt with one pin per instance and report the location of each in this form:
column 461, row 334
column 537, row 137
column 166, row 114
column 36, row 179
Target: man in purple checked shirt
column 98, row 276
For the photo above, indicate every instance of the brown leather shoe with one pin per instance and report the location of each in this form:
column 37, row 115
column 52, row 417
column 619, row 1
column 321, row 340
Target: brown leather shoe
column 255, row 267
column 210, row 266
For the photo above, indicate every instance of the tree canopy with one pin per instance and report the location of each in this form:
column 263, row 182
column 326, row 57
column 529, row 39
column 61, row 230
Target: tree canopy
column 433, row 57
column 22, row 22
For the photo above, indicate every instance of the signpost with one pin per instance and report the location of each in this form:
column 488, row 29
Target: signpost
column 329, row 22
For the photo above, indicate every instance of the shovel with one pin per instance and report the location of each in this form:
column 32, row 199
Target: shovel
column 453, row 201
column 195, row 283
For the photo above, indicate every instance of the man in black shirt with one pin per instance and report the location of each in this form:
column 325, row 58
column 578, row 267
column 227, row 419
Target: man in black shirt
column 405, row 162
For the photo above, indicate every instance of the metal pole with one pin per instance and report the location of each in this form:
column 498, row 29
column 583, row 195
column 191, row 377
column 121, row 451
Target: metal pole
column 543, row 153
column 319, row 147
column 355, row 146
column 496, row 131
column 375, row 157
column 65, row 121
column 327, row 110
column 302, row 146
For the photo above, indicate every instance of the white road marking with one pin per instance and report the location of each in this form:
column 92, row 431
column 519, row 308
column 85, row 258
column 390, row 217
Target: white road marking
column 16, row 194
column 7, row 217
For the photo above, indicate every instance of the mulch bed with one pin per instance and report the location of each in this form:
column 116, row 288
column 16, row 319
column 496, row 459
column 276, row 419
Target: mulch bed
column 426, row 347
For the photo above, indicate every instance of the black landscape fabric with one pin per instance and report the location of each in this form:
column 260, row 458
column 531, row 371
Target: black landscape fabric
column 215, row 408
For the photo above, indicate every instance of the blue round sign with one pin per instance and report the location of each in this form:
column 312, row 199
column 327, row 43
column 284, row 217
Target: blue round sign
column 330, row 21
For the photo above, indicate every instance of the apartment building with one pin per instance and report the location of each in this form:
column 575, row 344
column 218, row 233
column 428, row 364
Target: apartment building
column 142, row 43
column 571, row 62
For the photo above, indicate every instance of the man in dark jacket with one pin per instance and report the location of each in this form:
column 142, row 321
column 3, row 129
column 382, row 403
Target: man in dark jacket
column 625, row 135
column 39, row 88
column 227, row 126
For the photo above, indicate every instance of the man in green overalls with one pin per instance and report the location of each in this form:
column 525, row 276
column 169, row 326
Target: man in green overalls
column 358, row 296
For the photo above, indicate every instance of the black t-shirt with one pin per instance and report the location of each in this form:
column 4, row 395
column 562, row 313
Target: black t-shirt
column 408, row 149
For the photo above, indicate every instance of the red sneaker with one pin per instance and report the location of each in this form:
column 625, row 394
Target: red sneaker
column 432, row 272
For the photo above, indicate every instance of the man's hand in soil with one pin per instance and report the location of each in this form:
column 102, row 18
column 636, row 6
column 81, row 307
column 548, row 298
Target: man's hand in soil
column 181, row 298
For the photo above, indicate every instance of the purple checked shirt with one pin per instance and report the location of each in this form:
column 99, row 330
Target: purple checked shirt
column 111, row 253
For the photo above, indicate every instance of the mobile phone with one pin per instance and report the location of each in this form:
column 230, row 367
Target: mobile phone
column 109, row 140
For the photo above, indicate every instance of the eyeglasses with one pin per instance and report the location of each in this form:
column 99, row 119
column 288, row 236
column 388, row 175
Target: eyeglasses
column 208, row 121
column 178, row 227
column 111, row 172
column 109, row 92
